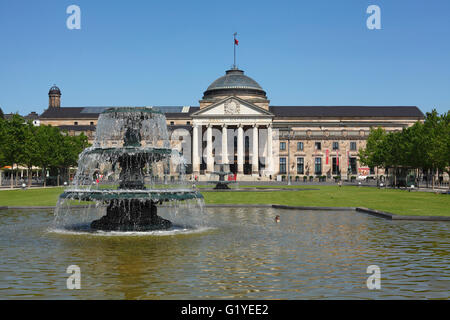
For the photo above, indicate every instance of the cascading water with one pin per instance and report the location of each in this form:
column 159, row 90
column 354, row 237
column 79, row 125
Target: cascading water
column 128, row 174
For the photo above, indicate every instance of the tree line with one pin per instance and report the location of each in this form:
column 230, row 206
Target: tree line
column 46, row 147
column 425, row 147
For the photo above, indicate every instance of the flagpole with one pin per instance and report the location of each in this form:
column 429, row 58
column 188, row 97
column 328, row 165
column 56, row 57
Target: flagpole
column 234, row 45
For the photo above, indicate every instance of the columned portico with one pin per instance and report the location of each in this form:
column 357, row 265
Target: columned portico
column 229, row 123
column 234, row 157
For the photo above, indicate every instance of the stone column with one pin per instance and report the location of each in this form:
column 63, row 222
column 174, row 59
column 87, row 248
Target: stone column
column 240, row 149
column 195, row 156
column 224, row 145
column 209, row 148
column 255, row 155
column 269, row 159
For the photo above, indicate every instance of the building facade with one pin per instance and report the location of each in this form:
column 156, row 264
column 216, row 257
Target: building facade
column 236, row 129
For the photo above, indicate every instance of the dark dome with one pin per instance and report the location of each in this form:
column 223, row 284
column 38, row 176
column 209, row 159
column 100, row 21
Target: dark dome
column 234, row 82
column 54, row 90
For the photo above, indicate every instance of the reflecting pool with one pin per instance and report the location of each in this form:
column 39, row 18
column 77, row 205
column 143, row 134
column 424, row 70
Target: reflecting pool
column 239, row 253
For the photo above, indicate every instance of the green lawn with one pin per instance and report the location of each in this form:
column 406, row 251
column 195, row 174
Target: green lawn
column 393, row 201
column 30, row 197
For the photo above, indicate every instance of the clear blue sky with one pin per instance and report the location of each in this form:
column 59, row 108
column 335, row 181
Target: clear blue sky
column 168, row 52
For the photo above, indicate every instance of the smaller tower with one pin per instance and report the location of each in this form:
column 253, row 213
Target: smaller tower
column 54, row 97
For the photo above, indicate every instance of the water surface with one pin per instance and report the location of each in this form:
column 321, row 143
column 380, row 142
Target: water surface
column 240, row 254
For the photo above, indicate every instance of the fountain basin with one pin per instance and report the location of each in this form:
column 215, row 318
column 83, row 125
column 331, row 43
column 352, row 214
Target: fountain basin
column 130, row 150
column 120, row 194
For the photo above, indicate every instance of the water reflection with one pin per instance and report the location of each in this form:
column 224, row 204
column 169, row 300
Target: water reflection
column 244, row 254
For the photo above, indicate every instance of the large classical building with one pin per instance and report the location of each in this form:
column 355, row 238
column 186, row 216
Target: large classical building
column 236, row 126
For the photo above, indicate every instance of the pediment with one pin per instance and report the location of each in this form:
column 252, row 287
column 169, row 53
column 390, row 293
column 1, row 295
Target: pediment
column 232, row 106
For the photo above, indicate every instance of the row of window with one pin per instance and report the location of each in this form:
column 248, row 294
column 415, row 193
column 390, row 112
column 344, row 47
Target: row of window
column 317, row 146
column 76, row 123
column 318, row 166
column 172, row 123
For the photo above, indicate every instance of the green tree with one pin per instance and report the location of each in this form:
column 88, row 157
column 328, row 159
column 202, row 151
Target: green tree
column 30, row 149
column 2, row 141
column 48, row 139
column 425, row 145
column 393, row 151
column 446, row 136
column 12, row 142
column 21, row 143
column 436, row 135
column 373, row 154
column 69, row 148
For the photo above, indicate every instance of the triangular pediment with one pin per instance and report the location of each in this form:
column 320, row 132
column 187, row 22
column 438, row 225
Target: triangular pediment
column 232, row 106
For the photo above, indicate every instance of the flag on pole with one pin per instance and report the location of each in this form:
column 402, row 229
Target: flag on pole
column 236, row 42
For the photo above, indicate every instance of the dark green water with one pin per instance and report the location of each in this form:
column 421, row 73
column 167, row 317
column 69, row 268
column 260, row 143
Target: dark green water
column 242, row 254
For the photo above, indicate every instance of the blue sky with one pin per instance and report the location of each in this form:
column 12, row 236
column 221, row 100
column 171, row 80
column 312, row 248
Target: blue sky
column 168, row 52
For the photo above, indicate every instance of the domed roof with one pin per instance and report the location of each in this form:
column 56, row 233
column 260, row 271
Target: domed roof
column 54, row 90
column 234, row 81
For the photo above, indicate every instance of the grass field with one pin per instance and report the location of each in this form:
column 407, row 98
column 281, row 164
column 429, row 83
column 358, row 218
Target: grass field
column 393, row 201
column 30, row 197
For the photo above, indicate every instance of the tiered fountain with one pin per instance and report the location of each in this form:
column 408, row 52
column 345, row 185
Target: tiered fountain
column 222, row 184
column 130, row 170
